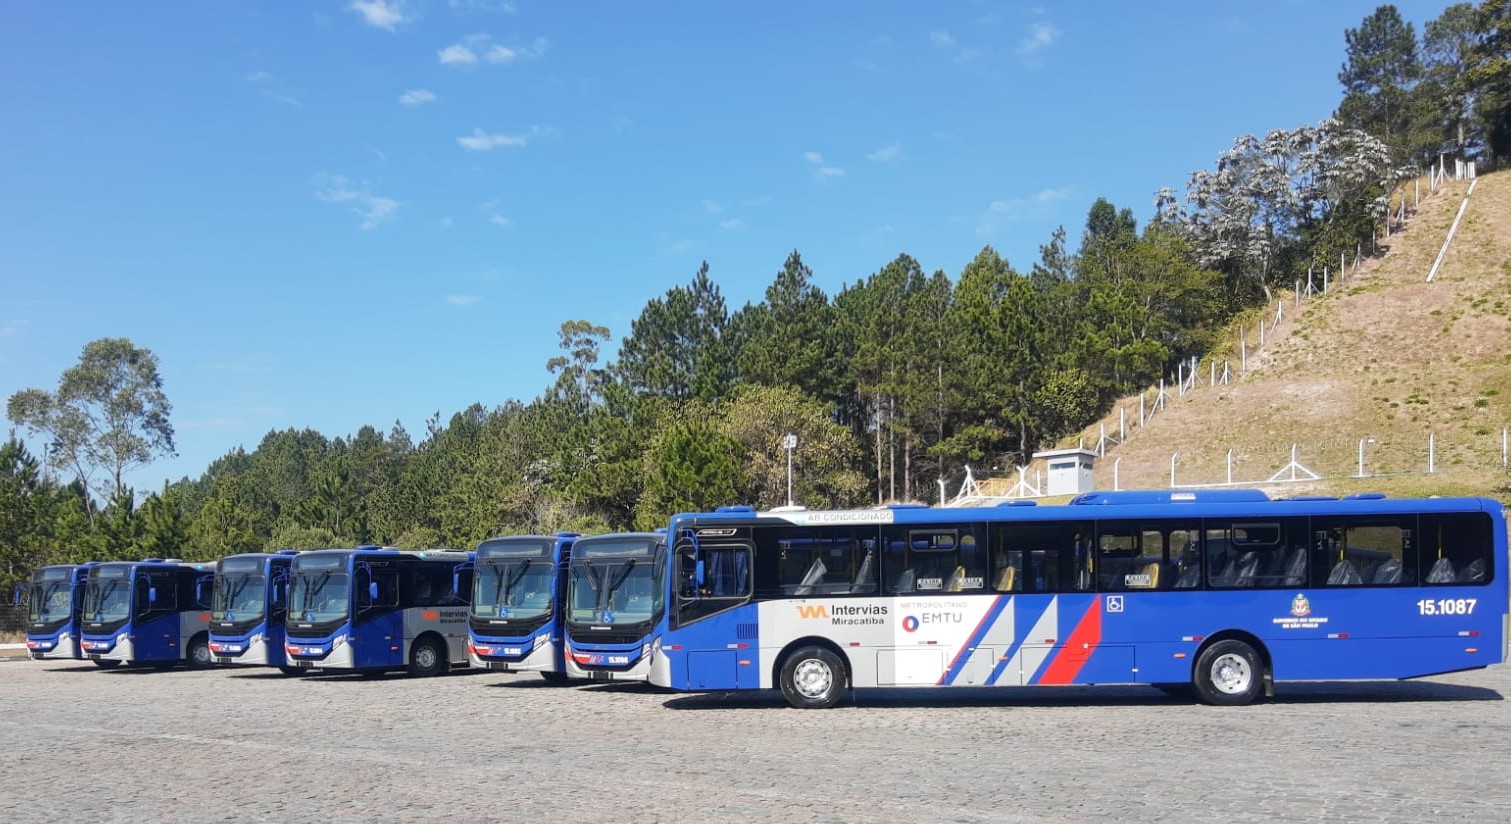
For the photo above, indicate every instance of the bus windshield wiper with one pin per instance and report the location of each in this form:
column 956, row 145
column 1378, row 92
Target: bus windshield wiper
column 514, row 578
column 606, row 596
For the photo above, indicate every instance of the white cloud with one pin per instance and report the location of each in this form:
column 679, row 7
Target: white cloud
column 1040, row 37
column 500, row 220
column 481, row 141
column 944, row 40
column 886, row 153
column 259, row 77
column 457, row 55
column 1019, row 208
column 731, row 224
column 480, row 47
column 417, row 97
column 381, row 13
column 13, row 327
column 821, row 172
column 713, row 206
column 372, row 208
column 464, row 300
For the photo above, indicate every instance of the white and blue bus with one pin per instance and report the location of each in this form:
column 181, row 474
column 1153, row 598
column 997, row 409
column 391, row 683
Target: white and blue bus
column 374, row 609
column 52, row 612
column 248, row 610
column 1221, row 593
column 518, row 591
column 615, row 602
column 154, row 611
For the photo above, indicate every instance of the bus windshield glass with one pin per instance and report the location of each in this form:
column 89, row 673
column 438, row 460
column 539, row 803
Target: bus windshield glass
column 239, row 596
column 615, row 581
column 51, row 599
column 513, row 582
column 108, row 599
column 319, row 596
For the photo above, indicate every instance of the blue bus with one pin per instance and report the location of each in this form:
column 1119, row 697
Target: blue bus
column 52, row 615
column 615, row 601
column 248, row 610
column 375, row 609
column 517, row 596
column 1220, row 593
column 154, row 611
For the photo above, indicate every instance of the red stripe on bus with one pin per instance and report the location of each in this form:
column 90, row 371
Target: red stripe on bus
column 1078, row 648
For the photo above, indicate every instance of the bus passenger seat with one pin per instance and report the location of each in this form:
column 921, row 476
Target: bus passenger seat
column 956, row 582
column 1190, row 577
column 1152, row 569
column 1344, row 574
column 1008, row 580
column 1388, row 573
column 1246, row 569
column 1295, row 569
column 904, row 582
column 864, row 580
column 1474, row 572
column 1442, row 572
column 815, row 573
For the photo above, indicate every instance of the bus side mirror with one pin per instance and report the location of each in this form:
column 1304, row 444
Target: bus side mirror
column 372, row 592
column 698, row 575
column 151, row 595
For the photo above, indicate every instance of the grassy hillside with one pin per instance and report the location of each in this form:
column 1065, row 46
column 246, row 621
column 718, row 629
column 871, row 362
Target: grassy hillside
column 1384, row 355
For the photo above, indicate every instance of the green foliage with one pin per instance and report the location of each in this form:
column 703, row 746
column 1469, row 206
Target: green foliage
column 823, row 464
column 109, row 412
column 690, row 466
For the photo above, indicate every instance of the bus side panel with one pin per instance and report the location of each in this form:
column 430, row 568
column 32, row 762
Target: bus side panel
column 449, row 622
column 191, row 623
column 156, row 638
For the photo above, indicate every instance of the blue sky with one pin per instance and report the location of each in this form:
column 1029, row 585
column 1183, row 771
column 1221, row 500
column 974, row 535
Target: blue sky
column 341, row 213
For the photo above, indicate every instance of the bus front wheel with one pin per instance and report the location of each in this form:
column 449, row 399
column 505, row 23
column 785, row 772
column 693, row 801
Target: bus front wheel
column 427, row 657
column 813, row 678
column 199, row 652
column 553, row 676
column 106, row 663
column 1228, row 673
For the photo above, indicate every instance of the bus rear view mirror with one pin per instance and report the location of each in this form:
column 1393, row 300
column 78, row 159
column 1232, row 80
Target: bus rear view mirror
column 372, row 592
column 698, row 572
column 151, row 595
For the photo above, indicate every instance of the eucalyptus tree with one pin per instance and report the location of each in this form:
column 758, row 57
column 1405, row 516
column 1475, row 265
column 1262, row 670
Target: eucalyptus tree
column 109, row 412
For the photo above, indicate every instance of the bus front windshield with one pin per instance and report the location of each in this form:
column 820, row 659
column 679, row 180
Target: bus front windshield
column 615, row 583
column 513, row 588
column 238, row 597
column 107, row 600
column 319, row 596
column 51, row 601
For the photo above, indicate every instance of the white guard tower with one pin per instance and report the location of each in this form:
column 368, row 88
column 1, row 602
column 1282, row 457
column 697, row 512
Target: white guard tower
column 1070, row 470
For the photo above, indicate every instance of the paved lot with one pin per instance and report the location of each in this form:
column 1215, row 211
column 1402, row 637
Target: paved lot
column 244, row 745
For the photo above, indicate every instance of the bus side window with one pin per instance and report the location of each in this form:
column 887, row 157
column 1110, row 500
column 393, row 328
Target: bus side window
column 1453, row 549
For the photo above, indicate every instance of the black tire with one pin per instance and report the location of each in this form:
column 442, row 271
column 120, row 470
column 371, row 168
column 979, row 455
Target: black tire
column 294, row 670
column 554, row 677
column 198, row 656
column 813, row 678
column 1228, row 673
column 106, row 663
column 428, row 657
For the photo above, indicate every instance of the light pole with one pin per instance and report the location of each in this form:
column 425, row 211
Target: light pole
column 791, row 443
column 1362, row 442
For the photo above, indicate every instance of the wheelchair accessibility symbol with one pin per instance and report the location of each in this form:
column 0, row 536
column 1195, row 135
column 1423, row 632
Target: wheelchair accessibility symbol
column 1114, row 603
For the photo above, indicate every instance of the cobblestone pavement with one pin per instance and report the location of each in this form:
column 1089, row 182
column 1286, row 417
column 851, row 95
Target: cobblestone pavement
column 249, row 745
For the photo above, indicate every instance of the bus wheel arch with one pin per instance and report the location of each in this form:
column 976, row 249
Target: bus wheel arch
column 1232, row 668
column 812, row 673
column 197, row 655
column 428, row 655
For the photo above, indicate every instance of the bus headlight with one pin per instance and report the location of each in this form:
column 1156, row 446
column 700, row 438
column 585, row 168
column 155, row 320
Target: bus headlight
column 645, row 649
column 540, row 640
column 337, row 642
column 256, row 638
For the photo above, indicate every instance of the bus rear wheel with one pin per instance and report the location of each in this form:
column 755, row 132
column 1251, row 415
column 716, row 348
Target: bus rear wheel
column 813, row 678
column 1228, row 673
column 426, row 658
